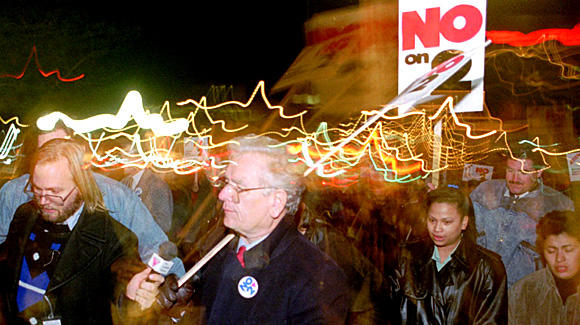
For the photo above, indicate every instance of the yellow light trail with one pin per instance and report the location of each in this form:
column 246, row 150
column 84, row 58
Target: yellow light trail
column 399, row 147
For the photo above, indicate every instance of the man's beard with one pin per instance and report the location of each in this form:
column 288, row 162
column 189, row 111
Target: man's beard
column 67, row 212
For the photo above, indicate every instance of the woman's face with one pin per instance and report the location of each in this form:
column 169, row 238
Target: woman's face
column 562, row 253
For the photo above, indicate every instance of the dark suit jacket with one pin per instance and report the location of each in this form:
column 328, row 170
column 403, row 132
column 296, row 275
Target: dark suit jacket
column 297, row 283
column 85, row 280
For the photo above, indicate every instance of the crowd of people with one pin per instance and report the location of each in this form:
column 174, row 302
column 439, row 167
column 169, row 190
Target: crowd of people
column 77, row 245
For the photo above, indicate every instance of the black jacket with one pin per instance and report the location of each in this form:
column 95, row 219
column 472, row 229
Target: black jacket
column 470, row 289
column 297, row 283
column 85, row 281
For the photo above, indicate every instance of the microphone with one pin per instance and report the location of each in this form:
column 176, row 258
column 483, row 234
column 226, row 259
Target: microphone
column 161, row 263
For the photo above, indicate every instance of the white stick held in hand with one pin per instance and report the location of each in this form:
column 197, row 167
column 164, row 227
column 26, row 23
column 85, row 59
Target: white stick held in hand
column 205, row 259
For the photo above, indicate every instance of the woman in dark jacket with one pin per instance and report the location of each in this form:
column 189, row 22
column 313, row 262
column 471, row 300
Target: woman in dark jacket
column 449, row 279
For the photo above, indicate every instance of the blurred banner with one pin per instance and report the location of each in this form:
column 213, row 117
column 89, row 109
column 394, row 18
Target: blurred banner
column 431, row 32
column 349, row 62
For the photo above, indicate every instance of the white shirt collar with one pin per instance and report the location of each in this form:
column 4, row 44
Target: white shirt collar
column 72, row 221
column 243, row 242
column 508, row 194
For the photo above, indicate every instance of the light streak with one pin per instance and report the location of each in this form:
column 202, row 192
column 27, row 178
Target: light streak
column 260, row 88
column 34, row 54
column 131, row 109
column 396, row 139
column 10, row 137
column 568, row 37
column 417, row 91
column 400, row 147
column 8, row 144
column 449, row 103
column 115, row 127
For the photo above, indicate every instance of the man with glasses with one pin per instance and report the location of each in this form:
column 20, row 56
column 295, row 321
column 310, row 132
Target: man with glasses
column 507, row 211
column 122, row 203
column 277, row 276
column 65, row 257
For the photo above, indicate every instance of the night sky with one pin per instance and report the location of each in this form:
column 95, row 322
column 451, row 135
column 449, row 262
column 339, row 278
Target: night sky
column 175, row 50
column 166, row 50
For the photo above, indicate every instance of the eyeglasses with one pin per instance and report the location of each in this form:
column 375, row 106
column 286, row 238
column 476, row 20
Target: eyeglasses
column 223, row 182
column 56, row 199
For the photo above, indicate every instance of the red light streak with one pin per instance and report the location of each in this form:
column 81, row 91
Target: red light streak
column 34, row 54
column 339, row 183
column 567, row 37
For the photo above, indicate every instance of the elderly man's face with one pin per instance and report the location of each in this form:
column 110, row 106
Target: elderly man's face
column 55, row 191
column 519, row 182
column 250, row 213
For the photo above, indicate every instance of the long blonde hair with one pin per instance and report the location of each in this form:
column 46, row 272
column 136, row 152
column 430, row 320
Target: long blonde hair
column 79, row 165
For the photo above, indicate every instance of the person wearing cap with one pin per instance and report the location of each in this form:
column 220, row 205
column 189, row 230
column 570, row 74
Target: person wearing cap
column 507, row 211
column 269, row 274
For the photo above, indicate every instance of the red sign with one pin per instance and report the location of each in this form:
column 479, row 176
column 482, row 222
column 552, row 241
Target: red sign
column 428, row 31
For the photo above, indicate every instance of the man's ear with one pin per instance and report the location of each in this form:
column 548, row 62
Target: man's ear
column 279, row 199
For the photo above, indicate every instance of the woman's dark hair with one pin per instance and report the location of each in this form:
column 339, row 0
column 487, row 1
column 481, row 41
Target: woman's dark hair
column 556, row 223
column 463, row 203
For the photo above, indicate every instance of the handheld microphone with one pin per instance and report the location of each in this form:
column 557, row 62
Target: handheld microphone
column 162, row 262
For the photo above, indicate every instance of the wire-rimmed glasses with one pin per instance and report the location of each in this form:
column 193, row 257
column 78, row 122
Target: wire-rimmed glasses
column 223, row 182
column 56, row 199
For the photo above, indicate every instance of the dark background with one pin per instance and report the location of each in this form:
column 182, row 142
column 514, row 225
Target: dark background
column 173, row 50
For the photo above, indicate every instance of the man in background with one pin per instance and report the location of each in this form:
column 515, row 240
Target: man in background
column 507, row 211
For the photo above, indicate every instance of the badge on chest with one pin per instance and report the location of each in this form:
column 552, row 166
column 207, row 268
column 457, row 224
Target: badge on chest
column 248, row 287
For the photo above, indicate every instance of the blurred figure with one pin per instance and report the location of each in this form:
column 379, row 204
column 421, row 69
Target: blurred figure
column 64, row 255
column 154, row 192
column 196, row 214
column 277, row 276
column 551, row 295
column 121, row 203
column 371, row 209
column 364, row 279
column 450, row 279
column 507, row 212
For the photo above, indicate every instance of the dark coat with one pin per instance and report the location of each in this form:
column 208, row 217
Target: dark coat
column 470, row 289
column 297, row 283
column 84, row 282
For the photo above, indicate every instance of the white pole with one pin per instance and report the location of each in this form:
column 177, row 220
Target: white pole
column 205, row 259
column 436, row 153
